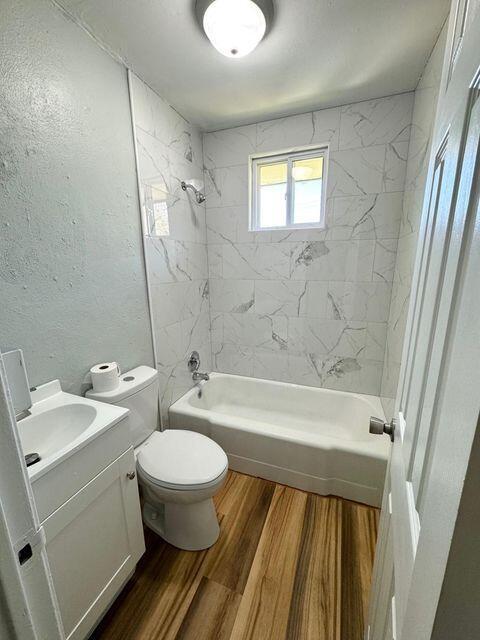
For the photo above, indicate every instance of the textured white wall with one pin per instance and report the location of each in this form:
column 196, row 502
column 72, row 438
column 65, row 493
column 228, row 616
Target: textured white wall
column 169, row 150
column 426, row 96
column 72, row 281
column 309, row 306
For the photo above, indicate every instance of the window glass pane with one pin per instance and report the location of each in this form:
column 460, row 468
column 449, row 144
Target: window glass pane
column 272, row 190
column 307, row 178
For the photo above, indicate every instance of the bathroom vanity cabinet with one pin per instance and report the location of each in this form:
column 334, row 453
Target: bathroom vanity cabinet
column 93, row 543
column 89, row 509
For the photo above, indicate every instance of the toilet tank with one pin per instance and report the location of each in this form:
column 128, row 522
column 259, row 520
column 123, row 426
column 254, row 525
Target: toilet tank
column 137, row 391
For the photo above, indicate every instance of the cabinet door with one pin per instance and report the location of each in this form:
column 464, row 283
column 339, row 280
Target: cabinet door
column 94, row 541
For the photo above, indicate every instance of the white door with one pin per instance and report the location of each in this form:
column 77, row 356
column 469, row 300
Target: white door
column 27, row 598
column 437, row 404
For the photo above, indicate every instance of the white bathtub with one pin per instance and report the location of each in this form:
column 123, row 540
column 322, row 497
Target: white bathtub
column 312, row 439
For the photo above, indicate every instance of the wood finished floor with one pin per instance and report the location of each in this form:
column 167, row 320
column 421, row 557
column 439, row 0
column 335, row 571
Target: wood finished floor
column 288, row 565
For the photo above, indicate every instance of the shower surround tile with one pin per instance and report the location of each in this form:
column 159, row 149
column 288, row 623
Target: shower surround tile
column 348, row 260
column 175, row 261
column 229, row 358
column 170, row 150
column 306, row 306
column 230, row 224
column 309, row 306
column 157, row 118
column 396, row 155
column 399, row 264
column 176, row 301
column 229, row 147
column 355, row 172
column 267, row 261
column 253, row 330
column 376, row 122
column 326, row 337
column 318, row 127
column 280, row 297
column 227, row 186
column 231, row 296
column 342, row 374
column 365, row 217
column 358, row 301
column 272, row 303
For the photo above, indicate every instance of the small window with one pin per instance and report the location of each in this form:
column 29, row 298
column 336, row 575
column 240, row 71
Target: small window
column 288, row 189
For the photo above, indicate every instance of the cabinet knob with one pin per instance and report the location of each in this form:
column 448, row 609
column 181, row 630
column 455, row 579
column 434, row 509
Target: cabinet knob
column 131, row 475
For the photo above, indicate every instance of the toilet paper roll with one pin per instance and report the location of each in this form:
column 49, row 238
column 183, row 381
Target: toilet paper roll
column 105, row 376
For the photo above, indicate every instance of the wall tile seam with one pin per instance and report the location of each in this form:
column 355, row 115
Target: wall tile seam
column 289, row 353
column 244, row 203
column 315, row 229
column 297, row 243
column 332, row 152
column 193, row 281
column 173, row 239
column 287, row 279
column 188, row 317
column 283, row 280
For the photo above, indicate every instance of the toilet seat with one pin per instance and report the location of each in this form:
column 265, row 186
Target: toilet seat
column 181, row 460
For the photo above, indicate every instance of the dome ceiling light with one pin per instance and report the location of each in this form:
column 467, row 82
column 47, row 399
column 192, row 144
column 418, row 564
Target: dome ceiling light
column 234, row 27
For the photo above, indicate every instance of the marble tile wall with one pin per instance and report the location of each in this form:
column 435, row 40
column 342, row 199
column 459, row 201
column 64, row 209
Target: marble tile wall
column 426, row 96
column 169, row 150
column 309, row 306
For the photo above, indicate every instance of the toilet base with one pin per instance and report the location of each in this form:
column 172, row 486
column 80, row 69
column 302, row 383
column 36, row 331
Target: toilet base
column 191, row 527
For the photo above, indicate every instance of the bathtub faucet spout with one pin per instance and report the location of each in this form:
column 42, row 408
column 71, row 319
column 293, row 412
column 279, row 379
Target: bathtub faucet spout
column 197, row 376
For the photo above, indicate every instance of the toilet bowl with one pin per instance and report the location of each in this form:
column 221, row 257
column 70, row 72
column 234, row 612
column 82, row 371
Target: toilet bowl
column 179, row 471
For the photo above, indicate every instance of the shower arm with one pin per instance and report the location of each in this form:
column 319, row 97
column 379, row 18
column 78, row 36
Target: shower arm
column 200, row 197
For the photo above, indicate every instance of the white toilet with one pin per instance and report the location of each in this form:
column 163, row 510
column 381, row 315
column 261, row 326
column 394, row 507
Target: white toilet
column 179, row 471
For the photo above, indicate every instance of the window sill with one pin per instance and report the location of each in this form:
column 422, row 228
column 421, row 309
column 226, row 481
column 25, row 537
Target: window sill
column 297, row 227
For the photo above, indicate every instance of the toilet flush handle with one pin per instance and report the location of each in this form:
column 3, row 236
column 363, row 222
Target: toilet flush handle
column 131, row 475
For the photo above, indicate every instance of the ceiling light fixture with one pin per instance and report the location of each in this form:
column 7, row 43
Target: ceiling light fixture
column 235, row 27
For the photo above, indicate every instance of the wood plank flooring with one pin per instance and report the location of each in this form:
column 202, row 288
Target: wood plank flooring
column 288, row 565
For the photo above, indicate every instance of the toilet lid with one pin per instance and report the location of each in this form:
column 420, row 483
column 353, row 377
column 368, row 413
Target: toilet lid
column 181, row 458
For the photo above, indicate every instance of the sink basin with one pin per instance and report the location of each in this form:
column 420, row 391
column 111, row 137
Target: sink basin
column 61, row 423
column 53, row 429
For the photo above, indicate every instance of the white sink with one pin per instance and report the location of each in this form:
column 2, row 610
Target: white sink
column 53, row 429
column 61, row 423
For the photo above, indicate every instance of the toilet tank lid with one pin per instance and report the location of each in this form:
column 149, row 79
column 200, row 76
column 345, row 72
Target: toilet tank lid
column 130, row 382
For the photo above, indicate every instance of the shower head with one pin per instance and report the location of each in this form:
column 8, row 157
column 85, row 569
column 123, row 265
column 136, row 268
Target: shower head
column 200, row 197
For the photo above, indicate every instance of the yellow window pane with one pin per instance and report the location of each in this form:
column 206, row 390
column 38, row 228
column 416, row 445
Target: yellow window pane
column 309, row 169
column 273, row 173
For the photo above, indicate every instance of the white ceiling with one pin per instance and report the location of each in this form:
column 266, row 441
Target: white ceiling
column 319, row 53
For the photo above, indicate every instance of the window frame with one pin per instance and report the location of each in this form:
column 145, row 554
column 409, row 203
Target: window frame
column 256, row 160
